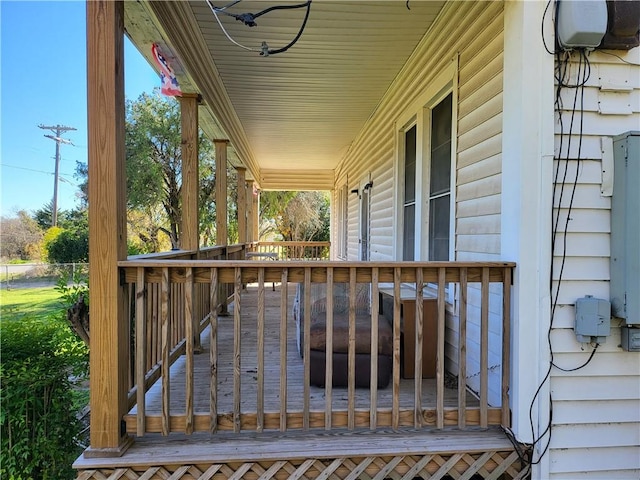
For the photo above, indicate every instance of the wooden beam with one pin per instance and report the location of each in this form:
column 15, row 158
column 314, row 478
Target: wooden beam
column 221, row 191
column 189, row 228
column 242, row 205
column 189, row 236
column 109, row 359
column 250, row 213
column 255, row 218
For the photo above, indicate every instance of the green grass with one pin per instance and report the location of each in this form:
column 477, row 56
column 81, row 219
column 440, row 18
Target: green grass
column 16, row 303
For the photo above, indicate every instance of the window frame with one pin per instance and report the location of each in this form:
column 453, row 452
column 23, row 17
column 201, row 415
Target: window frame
column 419, row 114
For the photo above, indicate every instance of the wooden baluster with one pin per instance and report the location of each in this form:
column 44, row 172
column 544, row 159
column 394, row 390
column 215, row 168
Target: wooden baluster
column 462, row 351
column 328, row 381
column 213, row 351
column 284, row 291
column 165, row 321
column 154, row 319
column 141, row 354
column 484, row 349
column 506, row 345
column 260, row 359
column 373, row 382
column 440, row 349
column 237, row 342
column 417, row 400
column 351, row 418
column 395, row 411
column 189, row 352
column 307, row 349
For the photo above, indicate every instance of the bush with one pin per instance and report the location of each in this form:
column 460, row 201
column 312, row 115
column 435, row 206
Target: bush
column 69, row 246
column 38, row 415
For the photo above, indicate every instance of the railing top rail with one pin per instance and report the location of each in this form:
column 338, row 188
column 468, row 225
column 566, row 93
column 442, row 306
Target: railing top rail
column 295, row 243
column 178, row 263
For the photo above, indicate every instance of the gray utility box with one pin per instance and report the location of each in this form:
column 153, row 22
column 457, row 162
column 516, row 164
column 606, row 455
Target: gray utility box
column 625, row 228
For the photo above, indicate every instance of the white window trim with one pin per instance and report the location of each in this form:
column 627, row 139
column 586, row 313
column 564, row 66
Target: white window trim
column 419, row 114
column 342, row 214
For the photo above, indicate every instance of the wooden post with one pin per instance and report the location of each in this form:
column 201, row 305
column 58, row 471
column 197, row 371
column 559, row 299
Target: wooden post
column 221, row 191
column 221, row 211
column 250, row 236
column 255, row 209
column 242, row 205
column 109, row 358
column 189, row 236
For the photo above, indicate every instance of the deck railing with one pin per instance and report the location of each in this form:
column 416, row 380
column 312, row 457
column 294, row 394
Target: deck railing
column 252, row 377
column 293, row 250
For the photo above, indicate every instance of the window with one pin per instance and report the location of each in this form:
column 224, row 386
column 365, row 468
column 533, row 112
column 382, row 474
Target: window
column 409, row 203
column 440, row 180
column 425, row 178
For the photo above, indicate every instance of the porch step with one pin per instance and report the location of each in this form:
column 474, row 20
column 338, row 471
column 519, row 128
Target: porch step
column 360, row 454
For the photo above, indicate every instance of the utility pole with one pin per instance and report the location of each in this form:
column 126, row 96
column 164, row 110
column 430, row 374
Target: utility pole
column 57, row 130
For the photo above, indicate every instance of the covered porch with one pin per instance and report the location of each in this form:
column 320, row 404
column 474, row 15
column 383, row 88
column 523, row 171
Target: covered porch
column 196, row 370
column 218, row 387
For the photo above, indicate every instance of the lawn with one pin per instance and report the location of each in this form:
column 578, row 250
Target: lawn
column 17, row 302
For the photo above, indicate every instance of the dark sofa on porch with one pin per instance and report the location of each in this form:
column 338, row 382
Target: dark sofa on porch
column 340, row 354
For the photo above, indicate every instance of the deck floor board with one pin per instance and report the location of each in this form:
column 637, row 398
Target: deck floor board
column 182, row 449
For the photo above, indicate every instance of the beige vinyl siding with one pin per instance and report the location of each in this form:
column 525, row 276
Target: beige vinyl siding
column 596, row 410
column 472, row 31
column 479, row 143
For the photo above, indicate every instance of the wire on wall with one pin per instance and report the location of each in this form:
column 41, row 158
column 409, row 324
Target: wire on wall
column 249, row 19
column 563, row 191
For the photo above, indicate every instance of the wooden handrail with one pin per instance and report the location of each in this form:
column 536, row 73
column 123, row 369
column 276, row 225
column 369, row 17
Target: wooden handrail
column 170, row 293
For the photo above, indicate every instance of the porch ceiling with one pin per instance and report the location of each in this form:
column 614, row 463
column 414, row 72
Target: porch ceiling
column 300, row 110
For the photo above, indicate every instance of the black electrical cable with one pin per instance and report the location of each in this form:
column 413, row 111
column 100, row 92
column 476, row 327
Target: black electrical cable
column 297, row 37
column 544, row 41
column 249, row 19
column 620, row 58
column 562, row 77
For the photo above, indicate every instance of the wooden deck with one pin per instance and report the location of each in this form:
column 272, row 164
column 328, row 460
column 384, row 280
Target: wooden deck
column 377, row 455
column 295, row 375
column 293, row 452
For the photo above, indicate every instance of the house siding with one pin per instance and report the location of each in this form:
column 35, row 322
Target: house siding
column 596, row 409
column 472, row 32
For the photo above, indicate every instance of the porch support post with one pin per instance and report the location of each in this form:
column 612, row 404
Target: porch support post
column 242, row 205
column 109, row 358
column 221, row 212
column 250, row 237
column 189, row 236
column 221, row 191
column 527, row 165
column 189, row 231
column 255, row 208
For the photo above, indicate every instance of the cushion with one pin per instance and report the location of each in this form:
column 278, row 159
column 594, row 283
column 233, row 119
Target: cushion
column 341, row 333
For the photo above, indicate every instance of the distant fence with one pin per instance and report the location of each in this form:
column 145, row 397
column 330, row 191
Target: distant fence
column 39, row 274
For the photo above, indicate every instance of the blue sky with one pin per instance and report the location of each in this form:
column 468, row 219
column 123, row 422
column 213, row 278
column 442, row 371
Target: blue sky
column 43, row 81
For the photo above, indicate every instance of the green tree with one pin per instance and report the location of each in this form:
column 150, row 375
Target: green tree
column 154, row 177
column 21, row 236
column 154, row 166
column 69, row 242
column 296, row 216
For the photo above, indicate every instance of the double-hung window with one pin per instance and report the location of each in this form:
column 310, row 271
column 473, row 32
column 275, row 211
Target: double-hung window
column 425, row 180
column 440, row 181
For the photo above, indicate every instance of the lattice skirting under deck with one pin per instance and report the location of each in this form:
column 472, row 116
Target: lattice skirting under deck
column 494, row 465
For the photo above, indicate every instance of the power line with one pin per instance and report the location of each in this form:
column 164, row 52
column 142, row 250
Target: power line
column 58, row 130
column 34, row 170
